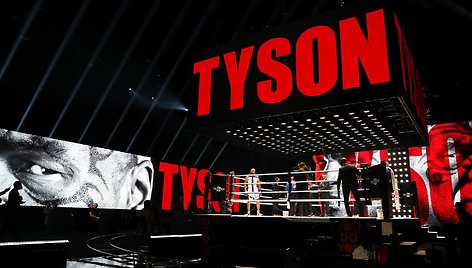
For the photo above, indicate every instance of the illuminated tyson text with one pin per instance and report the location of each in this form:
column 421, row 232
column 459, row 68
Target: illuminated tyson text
column 317, row 51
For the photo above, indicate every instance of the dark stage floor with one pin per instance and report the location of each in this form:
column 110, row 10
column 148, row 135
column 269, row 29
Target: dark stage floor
column 259, row 241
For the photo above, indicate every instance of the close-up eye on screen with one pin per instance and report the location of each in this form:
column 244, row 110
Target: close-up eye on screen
column 72, row 175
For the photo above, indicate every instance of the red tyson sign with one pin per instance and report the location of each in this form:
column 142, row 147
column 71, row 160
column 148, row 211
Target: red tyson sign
column 341, row 60
column 182, row 188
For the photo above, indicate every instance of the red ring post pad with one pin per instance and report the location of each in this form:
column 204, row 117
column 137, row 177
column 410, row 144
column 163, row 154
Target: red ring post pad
column 344, row 80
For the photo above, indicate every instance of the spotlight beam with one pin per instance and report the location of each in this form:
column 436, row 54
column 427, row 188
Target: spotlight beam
column 203, row 152
column 52, row 65
column 213, row 36
column 97, row 51
column 175, row 137
column 243, row 21
column 120, row 67
column 177, row 64
column 150, row 68
column 189, row 148
column 162, row 126
column 19, row 37
column 235, row 34
column 218, row 155
column 156, row 137
column 219, row 25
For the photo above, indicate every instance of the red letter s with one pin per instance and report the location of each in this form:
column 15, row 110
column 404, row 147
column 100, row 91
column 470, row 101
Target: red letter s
column 278, row 71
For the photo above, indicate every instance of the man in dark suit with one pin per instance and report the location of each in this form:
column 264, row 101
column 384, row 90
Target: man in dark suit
column 13, row 211
column 348, row 175
column 14, row 197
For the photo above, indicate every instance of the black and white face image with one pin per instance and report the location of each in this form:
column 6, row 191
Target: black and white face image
column 71, row 174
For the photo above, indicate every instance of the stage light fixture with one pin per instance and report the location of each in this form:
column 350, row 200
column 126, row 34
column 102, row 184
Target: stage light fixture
column 366, row 132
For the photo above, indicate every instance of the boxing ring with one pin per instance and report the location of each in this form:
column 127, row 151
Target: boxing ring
column 315, row 192
column 286, row 235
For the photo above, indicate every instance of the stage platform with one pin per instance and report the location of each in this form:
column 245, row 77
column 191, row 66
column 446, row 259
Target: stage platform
column 272, row 240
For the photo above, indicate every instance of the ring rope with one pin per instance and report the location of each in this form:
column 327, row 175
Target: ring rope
column 275, row 173
column 284, row 182
column 273, row 182
column 286, row 192
column 291, row 200
column 294, row 200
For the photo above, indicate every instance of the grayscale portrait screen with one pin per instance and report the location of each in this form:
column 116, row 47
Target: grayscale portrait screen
column 71, row 174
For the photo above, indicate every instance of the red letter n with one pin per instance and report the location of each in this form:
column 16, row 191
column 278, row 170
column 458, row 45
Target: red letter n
column 372, row 53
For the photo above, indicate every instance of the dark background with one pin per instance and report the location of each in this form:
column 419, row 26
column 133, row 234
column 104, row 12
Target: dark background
column 66, row 68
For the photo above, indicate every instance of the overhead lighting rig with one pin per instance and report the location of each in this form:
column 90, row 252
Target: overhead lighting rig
column 357, row 127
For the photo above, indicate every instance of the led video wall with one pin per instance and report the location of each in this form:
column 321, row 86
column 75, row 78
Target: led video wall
column 72, row 175
column 442, row 171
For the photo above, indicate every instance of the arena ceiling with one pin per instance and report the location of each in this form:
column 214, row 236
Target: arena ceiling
column 113, row 73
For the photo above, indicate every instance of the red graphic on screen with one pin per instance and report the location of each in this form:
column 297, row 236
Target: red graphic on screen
column 449, row 169
column 442, row 171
